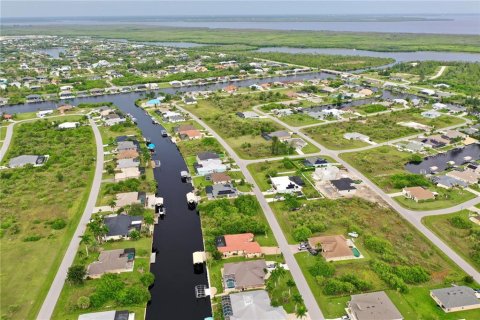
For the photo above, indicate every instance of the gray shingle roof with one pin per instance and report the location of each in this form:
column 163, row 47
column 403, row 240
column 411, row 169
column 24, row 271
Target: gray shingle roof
column 455, row 297
column 255, row 305
column 121, row 224
column 373, row 306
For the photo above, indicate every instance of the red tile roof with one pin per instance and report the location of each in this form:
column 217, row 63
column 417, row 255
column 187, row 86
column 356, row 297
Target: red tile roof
column 240, row 242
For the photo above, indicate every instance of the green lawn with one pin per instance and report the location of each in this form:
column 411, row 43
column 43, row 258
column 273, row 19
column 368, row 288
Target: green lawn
column 299, row 119
column 28, row 207
column 445, row 199
column 465, row 241
column 66, row 308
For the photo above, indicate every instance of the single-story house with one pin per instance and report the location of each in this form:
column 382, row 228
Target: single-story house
column 326, row 173
column 418, row 194
column 244, row 275
column 448, row 182
column 455, row 298
column 431, row 114
column 208, row 163
column 238, row 245
column 372, row 306
column 126, row 145
column 189, row 100
column 315, row 162
column 112, row 261
column 220, row 177
column 108, row 315
column 250, row 305
column 127, row 173
column 296, row 143
column 64, row 108
column 187, row 131
column 127, row 163
column 221, row 190
column 344, row 186
column 127, row 154
column 121, row 225
column 68, row 125
column 356, row 136
column 23, row 160
column 285, row 184
column 282, row 135
column 248, row 115
column 467, row 176
column 332, row 248
column 129, row 198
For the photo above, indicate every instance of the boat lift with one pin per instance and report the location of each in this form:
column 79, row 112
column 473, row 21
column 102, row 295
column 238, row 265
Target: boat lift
column 192, row 200
column 185, row 176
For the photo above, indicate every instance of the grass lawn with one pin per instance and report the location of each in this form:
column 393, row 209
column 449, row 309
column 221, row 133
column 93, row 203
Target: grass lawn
column 463, row 240
column 190, row 148
column 379, row 128
column 299, row 119
column 445, row 199
column 28, row 208
column 66, row 308
column 379, row 164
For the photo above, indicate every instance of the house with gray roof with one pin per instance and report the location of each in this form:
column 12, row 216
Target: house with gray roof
column 221, row 190
column 457, row 298
column 120, row 226
column 23, row 160
column 112, row 261
column 448, row 182
column 282, row 135
column 108, row 315
column 251, row 305
column 126, row 145
column 244, row 275
column 372, row 306
column 127, row 163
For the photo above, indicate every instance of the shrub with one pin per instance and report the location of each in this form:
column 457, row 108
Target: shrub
column 301, row 233
column 83, row 302
column 322, row 268
column 147, row 279
column 76, row 274
column 32, row 238
column 401, row 180
column 58, row 224
column 335, row 286
column 134, row 295
column 377, row 245
column 460, row 222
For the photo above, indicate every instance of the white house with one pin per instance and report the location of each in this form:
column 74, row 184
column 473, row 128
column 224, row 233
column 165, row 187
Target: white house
column 68, row 125
column 44, row 113
column 287, row 184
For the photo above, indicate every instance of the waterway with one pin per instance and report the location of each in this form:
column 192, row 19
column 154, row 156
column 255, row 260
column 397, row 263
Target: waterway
column 441, row 160
column 52, row 52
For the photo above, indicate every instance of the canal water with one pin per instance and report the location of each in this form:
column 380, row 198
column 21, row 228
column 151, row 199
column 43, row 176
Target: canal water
column 441, row 160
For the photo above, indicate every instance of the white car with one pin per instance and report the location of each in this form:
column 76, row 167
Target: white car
column 353, row 234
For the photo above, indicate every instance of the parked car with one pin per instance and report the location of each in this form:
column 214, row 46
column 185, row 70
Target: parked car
column 303, row 246
column 164, row 133
column 313, row 252
column 353, row 234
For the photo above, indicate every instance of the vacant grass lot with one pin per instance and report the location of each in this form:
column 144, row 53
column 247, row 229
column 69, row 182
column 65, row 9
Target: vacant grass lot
column 66, row 308
column 445, row 199
column 408, row 247
column 461, row 234
column 31, row 199
column 379, row 128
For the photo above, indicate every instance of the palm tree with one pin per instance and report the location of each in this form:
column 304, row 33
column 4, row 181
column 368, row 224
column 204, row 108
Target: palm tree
column 112, row 204
column 290, row 284
column 297, row 298
column 86, row 240
column 301, row 312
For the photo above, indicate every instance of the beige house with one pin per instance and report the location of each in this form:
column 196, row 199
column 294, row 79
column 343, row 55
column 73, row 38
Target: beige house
column 127, row 173
column 112, row 261
column 418, row 194
column 467, row 176
column 332, row 248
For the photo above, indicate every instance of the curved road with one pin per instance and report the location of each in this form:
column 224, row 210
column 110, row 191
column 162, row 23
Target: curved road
column 414, row 217
column 57, row 284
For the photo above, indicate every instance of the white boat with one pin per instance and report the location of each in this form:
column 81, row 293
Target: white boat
column 192, row 200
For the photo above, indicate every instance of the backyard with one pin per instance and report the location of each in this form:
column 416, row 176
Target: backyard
column 38, row 222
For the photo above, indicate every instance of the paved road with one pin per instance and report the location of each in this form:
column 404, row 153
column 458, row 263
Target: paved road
column 6, row 141
column 414, row 217
column 57, row 284
column 308, row 297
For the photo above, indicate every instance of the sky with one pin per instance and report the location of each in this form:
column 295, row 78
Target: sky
column 71, row 8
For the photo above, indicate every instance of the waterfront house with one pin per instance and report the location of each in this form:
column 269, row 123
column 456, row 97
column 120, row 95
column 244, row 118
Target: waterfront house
column 112, row 261
column 126, row 145
column 127, row 163
column 23, row 160
column 286, row 184
column 245, row 275
column 208, row 162
column 188, row 132
column 221, row 190
column 373, row 305
column 238, row 245
column 467, row 176
column 108, row 315
column 250, row 305
column 456, row 298
column 127, row 154
column 418, row 194
column 121, row 225
column 332, row 248
column 44, row 113
column 130, row 198
column 220, row 177
column 448, row 182
column 127, row 173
